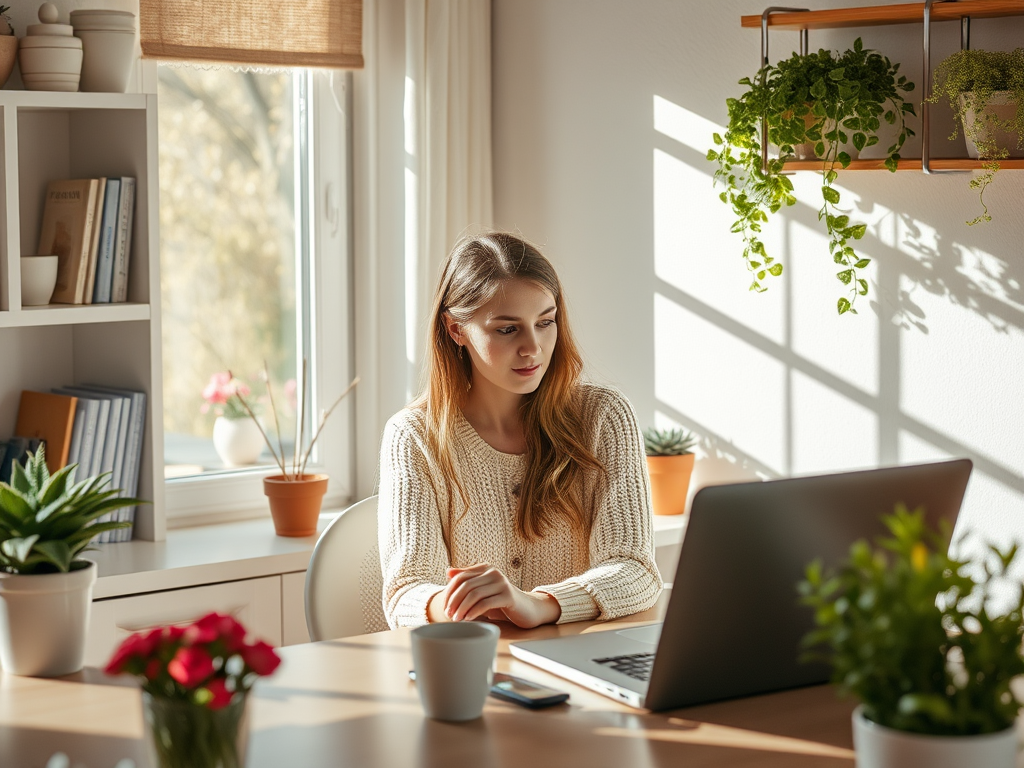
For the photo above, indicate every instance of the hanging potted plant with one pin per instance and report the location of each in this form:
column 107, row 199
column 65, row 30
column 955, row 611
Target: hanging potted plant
column 832, row 102
column 908, row 631
column 985, row 89
column 669, row 466
column 295, row 496
column 46, row 522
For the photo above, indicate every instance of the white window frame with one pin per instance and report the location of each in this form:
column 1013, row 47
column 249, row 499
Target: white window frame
column 238, row 495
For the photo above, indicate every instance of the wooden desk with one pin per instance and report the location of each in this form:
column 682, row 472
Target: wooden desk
column 350, row 703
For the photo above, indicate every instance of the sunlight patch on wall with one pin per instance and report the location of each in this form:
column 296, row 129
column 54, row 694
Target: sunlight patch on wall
column 831, row 433
column 690, row 225
column 947, row 375
column 686, row 127
column 711, row 376
column 844, row 345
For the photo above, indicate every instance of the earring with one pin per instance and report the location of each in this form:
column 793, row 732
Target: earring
column 460, row 351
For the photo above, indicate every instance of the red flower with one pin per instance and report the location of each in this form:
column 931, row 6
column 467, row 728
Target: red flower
column 172, row 633
column 137, row 646
column 260, row 657
column 190, row 666
column 221, row 696
column 213, row 627
column 153, row 669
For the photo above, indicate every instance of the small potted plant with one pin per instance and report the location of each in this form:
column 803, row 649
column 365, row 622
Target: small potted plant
column 236, row 438
column 669, row 465
column 195, row 685
column 908, row 631
column 46, row 522
column 831, row 102
column 985, row 89
column 295, row 496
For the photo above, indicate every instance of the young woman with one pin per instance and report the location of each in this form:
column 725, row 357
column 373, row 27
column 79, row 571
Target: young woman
column 510, row 489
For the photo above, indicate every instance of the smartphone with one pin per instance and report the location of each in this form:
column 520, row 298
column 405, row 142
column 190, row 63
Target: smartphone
column 525, row 693
column 520, row 691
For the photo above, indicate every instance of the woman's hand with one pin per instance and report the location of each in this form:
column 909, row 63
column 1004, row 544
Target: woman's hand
column 482, row 591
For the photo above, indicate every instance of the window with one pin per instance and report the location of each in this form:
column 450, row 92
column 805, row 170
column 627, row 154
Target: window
column 253, row 253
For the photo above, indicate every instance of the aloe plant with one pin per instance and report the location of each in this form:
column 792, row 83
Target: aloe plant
column 47, row 521
column 668, row 442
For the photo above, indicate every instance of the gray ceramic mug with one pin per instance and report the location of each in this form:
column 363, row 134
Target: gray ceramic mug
column 454, row 664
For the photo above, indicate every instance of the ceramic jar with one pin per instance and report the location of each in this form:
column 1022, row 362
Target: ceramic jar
column 108, row 42
column 38, row 278
column 8, row 55
column 238, row 442
column 49, row 55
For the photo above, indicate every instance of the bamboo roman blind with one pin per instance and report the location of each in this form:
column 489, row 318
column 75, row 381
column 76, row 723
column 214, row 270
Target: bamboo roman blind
column 290, row 33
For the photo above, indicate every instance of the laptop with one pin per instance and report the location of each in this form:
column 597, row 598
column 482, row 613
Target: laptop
column 734, row 623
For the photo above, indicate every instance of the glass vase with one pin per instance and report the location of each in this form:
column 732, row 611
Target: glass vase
column 180, row 734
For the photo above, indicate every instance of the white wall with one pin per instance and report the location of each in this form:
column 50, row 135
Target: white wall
column 603, row 113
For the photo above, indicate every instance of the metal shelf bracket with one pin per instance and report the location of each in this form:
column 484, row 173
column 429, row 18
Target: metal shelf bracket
column 965, row 44
column 764, row 62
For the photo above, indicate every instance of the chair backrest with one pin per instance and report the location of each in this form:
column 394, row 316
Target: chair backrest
column 343, row 582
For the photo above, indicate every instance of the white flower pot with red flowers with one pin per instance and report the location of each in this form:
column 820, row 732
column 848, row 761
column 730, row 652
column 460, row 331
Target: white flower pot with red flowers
column 195, row 680
column 237, row 439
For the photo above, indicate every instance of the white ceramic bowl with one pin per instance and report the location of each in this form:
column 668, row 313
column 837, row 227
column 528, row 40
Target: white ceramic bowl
column 54, row 61
column 38, row 278
column 109, row 56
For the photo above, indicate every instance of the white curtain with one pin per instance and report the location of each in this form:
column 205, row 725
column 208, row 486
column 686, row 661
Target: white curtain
column 448, row 146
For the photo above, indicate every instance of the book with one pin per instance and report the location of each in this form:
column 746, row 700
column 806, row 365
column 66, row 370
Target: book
column 17, row 447
column 86, row 434
column 75, row 451
column 3, row 453
column 66, row 231
column 97, row 214
column 105, row 251
column 123, row 241
column 50, row 418
column 133, row 450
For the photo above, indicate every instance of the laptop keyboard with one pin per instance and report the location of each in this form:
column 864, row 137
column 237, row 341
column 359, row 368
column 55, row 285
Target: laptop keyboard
column 636, row 665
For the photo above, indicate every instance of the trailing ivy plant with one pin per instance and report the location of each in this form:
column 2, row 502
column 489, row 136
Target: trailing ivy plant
column 911, row 633
column 823, row 99
column 982, row 74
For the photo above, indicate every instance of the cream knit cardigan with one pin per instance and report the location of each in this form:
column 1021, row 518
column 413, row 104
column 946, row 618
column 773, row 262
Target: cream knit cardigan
column 615, row 576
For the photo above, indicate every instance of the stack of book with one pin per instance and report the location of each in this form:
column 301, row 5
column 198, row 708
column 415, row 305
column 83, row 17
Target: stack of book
column 87, row 223
column 98, row 428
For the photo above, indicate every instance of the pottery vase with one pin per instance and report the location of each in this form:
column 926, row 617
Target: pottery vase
column 295, row 504
column 238, row 442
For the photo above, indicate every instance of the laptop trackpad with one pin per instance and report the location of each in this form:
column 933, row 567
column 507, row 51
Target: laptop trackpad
column 648, row 634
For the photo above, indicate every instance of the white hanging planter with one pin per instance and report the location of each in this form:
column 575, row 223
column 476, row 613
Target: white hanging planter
column 880, row 747
column 43, row 621
column 238, row 442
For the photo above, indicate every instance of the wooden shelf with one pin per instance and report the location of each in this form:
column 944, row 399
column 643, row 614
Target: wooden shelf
column 880, row 15
column 907, row 164
column 33, row 100
column 61, row 314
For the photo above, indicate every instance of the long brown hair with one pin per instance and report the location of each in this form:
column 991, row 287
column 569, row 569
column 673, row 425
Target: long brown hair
column 558, row 458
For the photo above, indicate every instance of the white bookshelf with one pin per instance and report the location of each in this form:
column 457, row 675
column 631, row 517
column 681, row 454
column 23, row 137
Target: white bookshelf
column 45, row 136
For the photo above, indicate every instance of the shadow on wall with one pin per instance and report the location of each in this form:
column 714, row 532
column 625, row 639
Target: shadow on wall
column 778, row 385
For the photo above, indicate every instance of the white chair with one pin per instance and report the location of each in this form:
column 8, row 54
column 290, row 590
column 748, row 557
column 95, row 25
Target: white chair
column 343, row 581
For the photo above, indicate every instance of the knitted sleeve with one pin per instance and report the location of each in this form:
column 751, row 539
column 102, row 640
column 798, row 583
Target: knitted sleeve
column 622, row 578
column 413, row 556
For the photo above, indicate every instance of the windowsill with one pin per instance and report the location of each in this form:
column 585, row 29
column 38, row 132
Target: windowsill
column 207, row 554
column 248, row 549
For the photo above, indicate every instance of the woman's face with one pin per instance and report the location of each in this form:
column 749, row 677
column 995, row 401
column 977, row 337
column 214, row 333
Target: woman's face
column 510, row 338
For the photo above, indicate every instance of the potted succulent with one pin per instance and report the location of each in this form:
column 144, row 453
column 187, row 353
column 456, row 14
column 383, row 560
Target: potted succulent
column 985, row 89
column 908, row 630
column 830, row 101
column 236, row 438
column 46, row 522
column 669, row 465
column 195, row 685
column 295, row 496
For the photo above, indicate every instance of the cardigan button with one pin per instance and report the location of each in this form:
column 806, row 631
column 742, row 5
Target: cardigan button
column 516, row 561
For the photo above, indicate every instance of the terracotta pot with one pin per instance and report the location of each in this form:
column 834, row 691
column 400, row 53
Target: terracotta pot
column 295, row 504
column 670, row 480
column 8, row 55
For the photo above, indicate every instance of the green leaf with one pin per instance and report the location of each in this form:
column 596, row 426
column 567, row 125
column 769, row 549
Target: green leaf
column 844, row 159
column 858, row 45
column 830, row 195
column 19, row 549
column 843, row 306
column 859, row 140
column 775, row 269
column 862, row 263
column 57, row 553
column 845, row 276
column 863, row 289
column 712, row 155
column 761, row 275
column 717, row 138
column 15, row 502
column 836, row 74
column 857, row 232
column 840, row 221
column 818, row 88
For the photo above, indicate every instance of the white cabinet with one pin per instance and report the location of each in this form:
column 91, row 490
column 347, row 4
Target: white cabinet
column 46, row 136
column 293, row 609
column 254, row 602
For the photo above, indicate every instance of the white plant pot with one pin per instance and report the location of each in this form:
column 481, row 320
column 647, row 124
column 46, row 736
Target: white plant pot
column 881, row 747
column 1004, row 107
column 109, row 55
column 43, row 622
column 238, row 441
column 38, row 278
